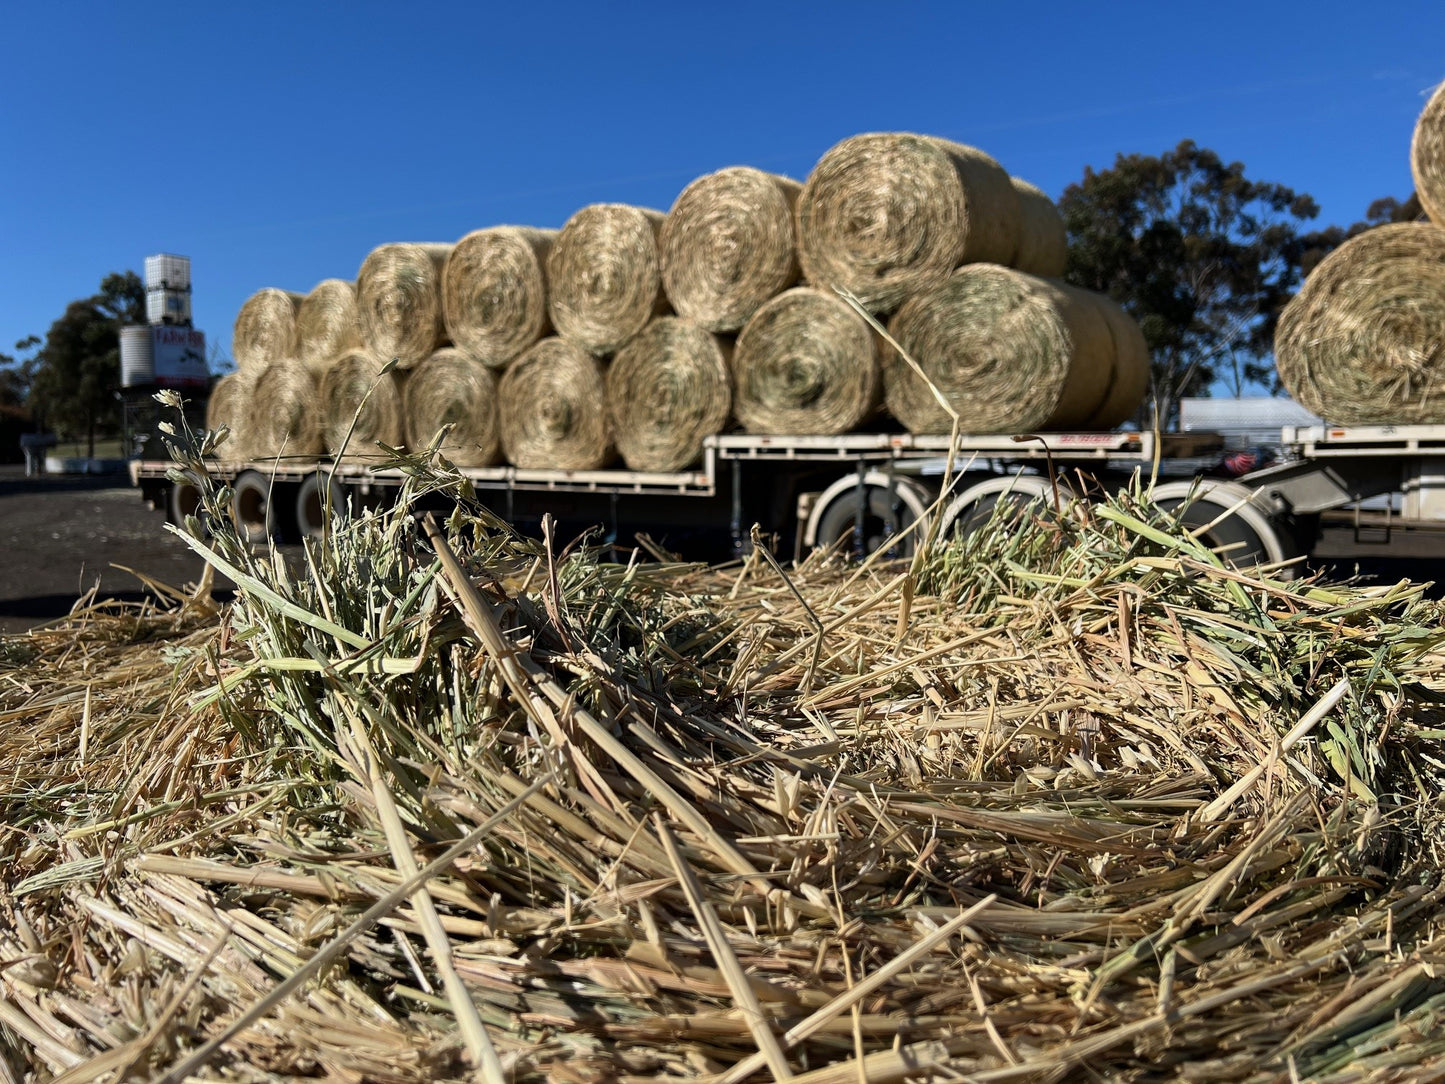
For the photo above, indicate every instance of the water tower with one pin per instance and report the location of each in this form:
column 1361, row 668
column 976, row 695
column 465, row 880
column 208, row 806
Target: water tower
column 164, row 352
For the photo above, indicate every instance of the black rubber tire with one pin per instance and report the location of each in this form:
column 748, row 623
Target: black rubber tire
column 885, row 515
column 1245, row 538
column 255, row 508
column 312, row 495
column 183, row 500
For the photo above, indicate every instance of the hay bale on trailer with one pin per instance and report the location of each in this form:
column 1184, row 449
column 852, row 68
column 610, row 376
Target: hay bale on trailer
column 227, row 406
column 667, row 390
column 1427, row 156
column 806, row 363
column 283, row 414
column 728, row 245
column 265, row 328
column 398, row 296
column 550, row 409
column 1043, row 241
column 453, row 388
column 1363, row 342
column 360, row 406
column 1130, row 376
column 886, row 215
column 494, row 292
column 604, row 278
column 1009, row 351
column 328, row 324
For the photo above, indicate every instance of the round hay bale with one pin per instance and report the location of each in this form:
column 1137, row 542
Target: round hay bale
column 494, row 292
column 327, row 324
column 1009, row 351
column 1427, row 156
column 227, row 406
column 728, row 245
column 1363, row 343
column 1043, row 241
column 667, row 390
column 550, row 407
column 806, row 364
column 886, row 215
column 398, row 297
column 265, row 328
column 355, row 388
column 1129, row 380
column 453, row 388
column 283, row 416
column 604, row 277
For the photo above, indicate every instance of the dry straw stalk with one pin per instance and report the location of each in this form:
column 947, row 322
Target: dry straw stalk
column 728, row 245
column 604, row 278
column 667, row 390
column 1362, row 342
column 806, row 364
column 452, row 388
column 398, row 298
column 886, row 215
column 551, row 409
column 494, row 292
column 327, row 324
column 265, row 328
column 1009, row 351
column 1427, row 157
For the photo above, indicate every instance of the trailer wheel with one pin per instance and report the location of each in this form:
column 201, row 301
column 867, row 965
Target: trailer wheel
column 975, row 506
column 184, row 501
column 890, row 506
column 1240, row 530
column 257, row 508
column 319, row 497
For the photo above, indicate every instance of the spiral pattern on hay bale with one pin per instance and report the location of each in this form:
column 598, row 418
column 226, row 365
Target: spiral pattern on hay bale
column 398, row 297
column 887, row 215
column 1129, row 378
column 227, row 406
column 355, row 388
column 1363, row 343
column 604, row 277
column 1427, row 156
column 728, row 245
column 283, row 417
column 327, row 324
column 265, row 328
column 550, row 409
column 494, row 292
column 806, row 363
column 1009, row 351
column 452, row 388
column 667, row 390
column 1043, row 248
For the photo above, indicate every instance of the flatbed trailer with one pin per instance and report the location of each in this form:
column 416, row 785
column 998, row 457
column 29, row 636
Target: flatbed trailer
column 864, row 490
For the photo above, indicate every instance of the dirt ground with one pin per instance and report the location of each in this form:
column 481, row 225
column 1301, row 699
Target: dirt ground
column 62, row 535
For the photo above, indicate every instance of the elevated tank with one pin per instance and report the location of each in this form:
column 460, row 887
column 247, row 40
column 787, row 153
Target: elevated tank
column 137, row 356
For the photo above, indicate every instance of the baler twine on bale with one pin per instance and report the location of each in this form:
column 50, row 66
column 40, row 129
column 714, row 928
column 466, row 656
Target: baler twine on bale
column 398, row 297
column 1363, row 342
column 806, row 364
column 551, row 409
column 667, row 390
column 452, row 388
column 1011, row 352
column 604, row 277
column 265, row 328
column 494, row 292
column 728, row 245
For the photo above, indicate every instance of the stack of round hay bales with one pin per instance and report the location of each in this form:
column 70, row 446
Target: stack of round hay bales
column 398, row 298
column 1363, row 342
column 494, row 292
column 453, row 390
column 604, row 277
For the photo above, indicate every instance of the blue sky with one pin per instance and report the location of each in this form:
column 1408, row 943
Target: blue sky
column 276, row 144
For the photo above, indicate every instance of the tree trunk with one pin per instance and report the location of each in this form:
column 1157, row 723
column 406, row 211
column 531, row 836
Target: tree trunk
column 90, row 436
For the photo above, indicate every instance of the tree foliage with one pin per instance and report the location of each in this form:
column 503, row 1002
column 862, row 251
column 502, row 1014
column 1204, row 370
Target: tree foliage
column 78, row 367
column 1202, row 256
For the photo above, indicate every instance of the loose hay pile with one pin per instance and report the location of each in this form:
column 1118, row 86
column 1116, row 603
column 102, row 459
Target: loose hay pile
column 1088, row 807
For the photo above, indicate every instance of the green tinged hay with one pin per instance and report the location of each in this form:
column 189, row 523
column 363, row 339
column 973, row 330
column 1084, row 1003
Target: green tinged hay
column 551, row 409
column 603, row 275
column 399, row 302
column 451, row 388
column 494, row 292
